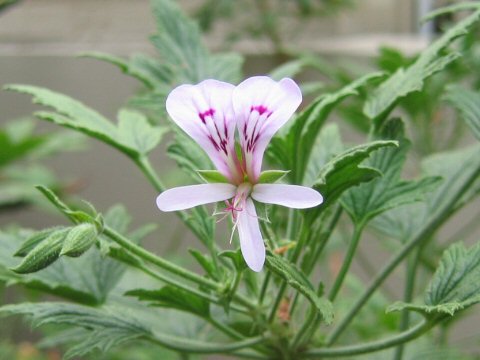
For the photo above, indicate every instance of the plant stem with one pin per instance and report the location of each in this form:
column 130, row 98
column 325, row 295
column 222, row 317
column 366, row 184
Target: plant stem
column 412, row 266
column 283, row 287
column 169, row 266
column 347, row 261
column 199, row 347
column 352, row 350
column 278, row 300
column 426, row 232
column 322, row 241
column 146, row 167
column 311, row 318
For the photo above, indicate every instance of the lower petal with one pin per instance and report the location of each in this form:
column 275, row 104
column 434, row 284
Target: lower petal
column 186, row 197
column 251, row 241
column 293, row 196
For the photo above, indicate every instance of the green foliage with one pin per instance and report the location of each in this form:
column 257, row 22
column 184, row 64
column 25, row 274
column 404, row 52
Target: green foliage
column 299, row 282
column 174, row 298
column 454, row 285
column 454, row 167
column 370, row 199
column 468, row 104
column 108, row 326
column 405, row 81
column 22, row 151
column 134, row 135
column 292, row 149
column 275, row 313
column 345, row 171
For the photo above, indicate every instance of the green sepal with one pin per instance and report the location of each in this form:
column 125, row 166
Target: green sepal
column 34, row 240
column 43, row 254
column 271, row 176
column 212, row 176
column 79, row 240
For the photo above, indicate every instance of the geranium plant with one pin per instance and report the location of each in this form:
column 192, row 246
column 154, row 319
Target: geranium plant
column 264, row 291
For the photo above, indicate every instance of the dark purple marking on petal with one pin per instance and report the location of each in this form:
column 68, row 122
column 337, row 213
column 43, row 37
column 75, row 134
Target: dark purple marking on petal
column 206, row 113
column 259, row 108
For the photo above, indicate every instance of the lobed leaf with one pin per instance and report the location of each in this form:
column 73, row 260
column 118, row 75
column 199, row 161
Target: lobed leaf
column 134, row 135
column 467, row 102
column 410, row 79
column 107, row 327
column 379, row 195
column 345, row 170
column 454, row 285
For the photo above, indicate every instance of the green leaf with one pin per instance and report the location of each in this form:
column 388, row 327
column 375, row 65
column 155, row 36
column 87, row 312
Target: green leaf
column 288, row 69
column 454, row 285
column 171, row 297
column 17, row 141
column 205, row 262
column 236, row 257
column 134, row 136
column 467, row 102
column 44, row 254
column 299, row 282
column 379, row 195
column 141, row 67
column 212, row 176
column 178, row 41
column 79, row 240
column 410, row 79
column 136, row 133
column 345, row 170
column 292, row 149
column 188, row 155
column 327, row 145
column 271, row 176
column 454, row 167
column 107, row 327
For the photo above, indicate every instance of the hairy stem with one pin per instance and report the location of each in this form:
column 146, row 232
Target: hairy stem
column 365, row 348
column 347, row 261
column 169, row 266
column 412, row 266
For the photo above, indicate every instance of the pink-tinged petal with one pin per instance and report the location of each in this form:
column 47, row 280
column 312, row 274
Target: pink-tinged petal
column 292, row 196
column 205, row 112
column 262, row 106
column 251, row 241
column 186, row 197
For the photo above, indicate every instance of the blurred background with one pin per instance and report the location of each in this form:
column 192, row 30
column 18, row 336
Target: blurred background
column 40, row 41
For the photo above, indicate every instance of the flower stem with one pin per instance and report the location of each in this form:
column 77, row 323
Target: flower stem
column 365, row 348
column 347, row 261
column 146, row 167
column 412, row 266
column 171, row 267
column 437, row 219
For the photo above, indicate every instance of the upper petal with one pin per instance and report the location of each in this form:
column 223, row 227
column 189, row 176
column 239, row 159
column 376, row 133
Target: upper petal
column 205, row 112
column 185, row 197
column 251, row 241
column 262, row 106
column 293, row 196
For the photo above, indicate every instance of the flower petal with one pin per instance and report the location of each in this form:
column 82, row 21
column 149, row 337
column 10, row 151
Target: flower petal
column 262, row 106
column 293, row 196
column 186, row 197
column 251, row 241
column 204, row 111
